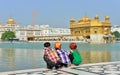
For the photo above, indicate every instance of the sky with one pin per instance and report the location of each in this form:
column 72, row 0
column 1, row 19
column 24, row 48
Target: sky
column 57, row 13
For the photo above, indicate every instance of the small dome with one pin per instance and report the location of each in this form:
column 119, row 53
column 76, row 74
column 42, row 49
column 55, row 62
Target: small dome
column 11, row 21
column 72, row 20
column 96, row 16
column 107, row 17
column 80, row 20
column 85, row 18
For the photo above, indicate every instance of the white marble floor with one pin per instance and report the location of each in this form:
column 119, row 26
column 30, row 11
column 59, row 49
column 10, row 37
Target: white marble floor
column 107, row 68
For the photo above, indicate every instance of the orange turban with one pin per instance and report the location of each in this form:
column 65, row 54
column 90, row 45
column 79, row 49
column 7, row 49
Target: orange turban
column 57, row 45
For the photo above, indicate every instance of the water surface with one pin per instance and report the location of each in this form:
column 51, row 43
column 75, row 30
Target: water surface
column 24, row 55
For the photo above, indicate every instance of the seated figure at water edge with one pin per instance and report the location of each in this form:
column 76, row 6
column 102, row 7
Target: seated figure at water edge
column 63, row 55
column 50, row 56
column 74, row 55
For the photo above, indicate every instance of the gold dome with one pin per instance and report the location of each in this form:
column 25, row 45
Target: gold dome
column 72, row 20
column 85, row 18
column 80, row 20
column 107, row 17
column 96, row 16
column 11, row 21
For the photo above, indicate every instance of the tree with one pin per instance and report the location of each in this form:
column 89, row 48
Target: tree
column 8, row 35
column 116, row 34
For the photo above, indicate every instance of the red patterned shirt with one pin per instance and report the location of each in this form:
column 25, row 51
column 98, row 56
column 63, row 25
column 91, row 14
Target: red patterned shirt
column 51, row 54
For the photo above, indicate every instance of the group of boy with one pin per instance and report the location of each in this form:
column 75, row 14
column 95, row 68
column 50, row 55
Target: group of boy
column 57, row 57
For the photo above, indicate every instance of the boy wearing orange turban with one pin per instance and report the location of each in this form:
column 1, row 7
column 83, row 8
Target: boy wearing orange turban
column 63, row 55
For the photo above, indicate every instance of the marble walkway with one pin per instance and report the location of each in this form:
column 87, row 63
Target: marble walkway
column 107, row 68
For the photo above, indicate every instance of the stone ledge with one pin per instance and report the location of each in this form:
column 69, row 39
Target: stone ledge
column 104, row 68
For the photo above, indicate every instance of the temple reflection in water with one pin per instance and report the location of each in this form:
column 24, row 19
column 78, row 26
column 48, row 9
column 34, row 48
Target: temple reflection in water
column 95, row 56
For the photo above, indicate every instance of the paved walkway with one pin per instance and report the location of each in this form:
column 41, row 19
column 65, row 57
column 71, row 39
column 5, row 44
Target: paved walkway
column 108, row 68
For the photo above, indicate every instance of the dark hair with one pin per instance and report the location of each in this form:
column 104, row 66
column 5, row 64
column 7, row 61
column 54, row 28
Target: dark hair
column 46, row 44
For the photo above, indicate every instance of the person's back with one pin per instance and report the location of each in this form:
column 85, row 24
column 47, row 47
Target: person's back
column 50, row 56
column 49, row 52
column 75, row 56
column 63, row 54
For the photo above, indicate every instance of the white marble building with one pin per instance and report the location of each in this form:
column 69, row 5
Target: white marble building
column 115, row 28
column 38, row 31
column 30, row 31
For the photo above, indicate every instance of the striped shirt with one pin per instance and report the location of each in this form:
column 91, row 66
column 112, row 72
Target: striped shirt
column 51, row 54
column 64, row 56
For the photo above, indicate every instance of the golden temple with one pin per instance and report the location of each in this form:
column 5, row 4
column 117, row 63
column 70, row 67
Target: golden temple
column 93, row 29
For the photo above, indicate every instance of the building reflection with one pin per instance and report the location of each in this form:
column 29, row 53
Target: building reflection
column 11, row 59
column 8, row 58
column 95, row 56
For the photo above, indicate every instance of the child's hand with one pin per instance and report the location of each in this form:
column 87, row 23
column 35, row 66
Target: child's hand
column 69, row 52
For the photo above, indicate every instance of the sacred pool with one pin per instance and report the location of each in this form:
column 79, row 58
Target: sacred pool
column 29, row 55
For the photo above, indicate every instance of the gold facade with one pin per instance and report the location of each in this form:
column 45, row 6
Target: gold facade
column 86, row 26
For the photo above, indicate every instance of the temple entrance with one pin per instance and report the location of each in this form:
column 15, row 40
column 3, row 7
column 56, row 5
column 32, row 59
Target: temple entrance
column 88, row 36
column 30, row 39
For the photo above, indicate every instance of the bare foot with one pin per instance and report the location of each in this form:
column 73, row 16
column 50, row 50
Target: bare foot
column 72, row 65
